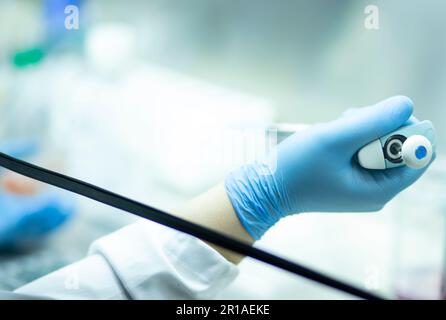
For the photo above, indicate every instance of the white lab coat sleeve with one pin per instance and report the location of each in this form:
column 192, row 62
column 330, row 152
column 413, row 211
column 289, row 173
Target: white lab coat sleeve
column 140, row 261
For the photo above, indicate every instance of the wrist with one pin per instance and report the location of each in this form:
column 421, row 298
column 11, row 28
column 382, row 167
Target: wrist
column 255, row 195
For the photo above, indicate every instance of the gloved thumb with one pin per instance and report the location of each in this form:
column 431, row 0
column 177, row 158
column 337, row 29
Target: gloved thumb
column 367, row 124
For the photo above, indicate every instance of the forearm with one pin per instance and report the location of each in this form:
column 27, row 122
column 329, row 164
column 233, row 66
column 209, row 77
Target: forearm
column 214, row 210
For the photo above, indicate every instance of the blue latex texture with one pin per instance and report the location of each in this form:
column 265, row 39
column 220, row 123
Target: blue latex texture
column 316, row 170
column 25, row 220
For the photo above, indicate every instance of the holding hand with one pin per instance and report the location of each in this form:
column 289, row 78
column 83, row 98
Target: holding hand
column 316, row 171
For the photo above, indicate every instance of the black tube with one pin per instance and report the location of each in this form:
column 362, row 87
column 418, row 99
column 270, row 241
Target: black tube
column 168, row 220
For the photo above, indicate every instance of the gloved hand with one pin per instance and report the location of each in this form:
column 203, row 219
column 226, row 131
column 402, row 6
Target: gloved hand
column 27, row 218
column 316, row 171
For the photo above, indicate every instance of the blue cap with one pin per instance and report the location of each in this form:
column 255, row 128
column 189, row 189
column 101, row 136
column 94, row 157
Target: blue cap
column 421, row 152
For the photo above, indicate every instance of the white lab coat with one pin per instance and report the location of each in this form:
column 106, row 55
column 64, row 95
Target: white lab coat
column 140, row 261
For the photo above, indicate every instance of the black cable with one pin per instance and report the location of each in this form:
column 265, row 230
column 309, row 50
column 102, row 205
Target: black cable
column 168, row 220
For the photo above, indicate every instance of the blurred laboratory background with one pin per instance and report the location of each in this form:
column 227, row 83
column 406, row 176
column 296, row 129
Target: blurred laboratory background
column 158, row 99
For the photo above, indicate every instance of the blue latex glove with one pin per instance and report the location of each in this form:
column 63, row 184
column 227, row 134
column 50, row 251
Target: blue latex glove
column 316, row 171
column 26, row 219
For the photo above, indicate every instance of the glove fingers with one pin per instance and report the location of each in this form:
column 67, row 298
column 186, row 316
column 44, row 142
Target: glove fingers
column 354, row 111
column 357, row 128
column 393, row 181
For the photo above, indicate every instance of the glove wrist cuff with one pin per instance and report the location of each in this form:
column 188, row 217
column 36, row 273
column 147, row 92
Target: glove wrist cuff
column 253, row 192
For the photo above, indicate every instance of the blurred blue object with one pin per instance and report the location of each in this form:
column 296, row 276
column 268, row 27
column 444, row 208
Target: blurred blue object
column 20, row 148
column 57, row 36
column 25, row 220
column 314, row 170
